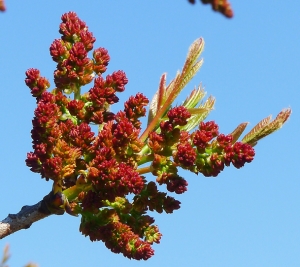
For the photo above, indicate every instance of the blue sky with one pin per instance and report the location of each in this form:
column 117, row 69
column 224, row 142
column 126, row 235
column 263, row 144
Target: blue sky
column 246, row 217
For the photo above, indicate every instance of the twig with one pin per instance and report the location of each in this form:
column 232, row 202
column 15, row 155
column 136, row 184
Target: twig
column 28, row 215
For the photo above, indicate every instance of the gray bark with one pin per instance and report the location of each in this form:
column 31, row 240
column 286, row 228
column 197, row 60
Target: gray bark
column 29, row 215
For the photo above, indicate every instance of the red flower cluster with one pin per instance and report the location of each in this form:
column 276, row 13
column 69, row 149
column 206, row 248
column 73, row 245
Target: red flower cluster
column 98, row 175
column 119, row 237
column 222, row 151
column 222, row 6
column 153, row 200
column 102, row 168
column 2, row 5
column 197, row 152
column 36, row 83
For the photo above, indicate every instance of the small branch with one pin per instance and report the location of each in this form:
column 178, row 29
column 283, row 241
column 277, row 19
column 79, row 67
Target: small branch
column 28, row 215
column 22, row 220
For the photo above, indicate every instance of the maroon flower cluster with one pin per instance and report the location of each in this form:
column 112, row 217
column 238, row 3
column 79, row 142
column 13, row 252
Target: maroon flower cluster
column 154, row 200
column 103, row 167
column 2, row 5
column 222, row 6
column 119, row 237
column 205, row 151
column 74, row 68
column 98, row 175
column 36, row 83
column 212, row 156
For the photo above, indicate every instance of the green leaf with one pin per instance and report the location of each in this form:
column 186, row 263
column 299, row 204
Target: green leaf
column 194, row 98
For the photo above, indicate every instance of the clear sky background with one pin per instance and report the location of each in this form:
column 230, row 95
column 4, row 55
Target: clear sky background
column 246, row 217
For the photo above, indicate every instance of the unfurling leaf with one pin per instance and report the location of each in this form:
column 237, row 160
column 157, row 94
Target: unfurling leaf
column 165, row 96
column 266, row 127
column 194, row 98
column 158, row 99
column 237, row 132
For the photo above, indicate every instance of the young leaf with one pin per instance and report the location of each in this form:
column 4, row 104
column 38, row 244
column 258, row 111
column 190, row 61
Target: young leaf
column 194, row 98
column 266, row 127
column 237, row 132
column 158, row 99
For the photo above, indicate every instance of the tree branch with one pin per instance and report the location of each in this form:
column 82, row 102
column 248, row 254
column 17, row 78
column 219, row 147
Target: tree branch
column 28, row 215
